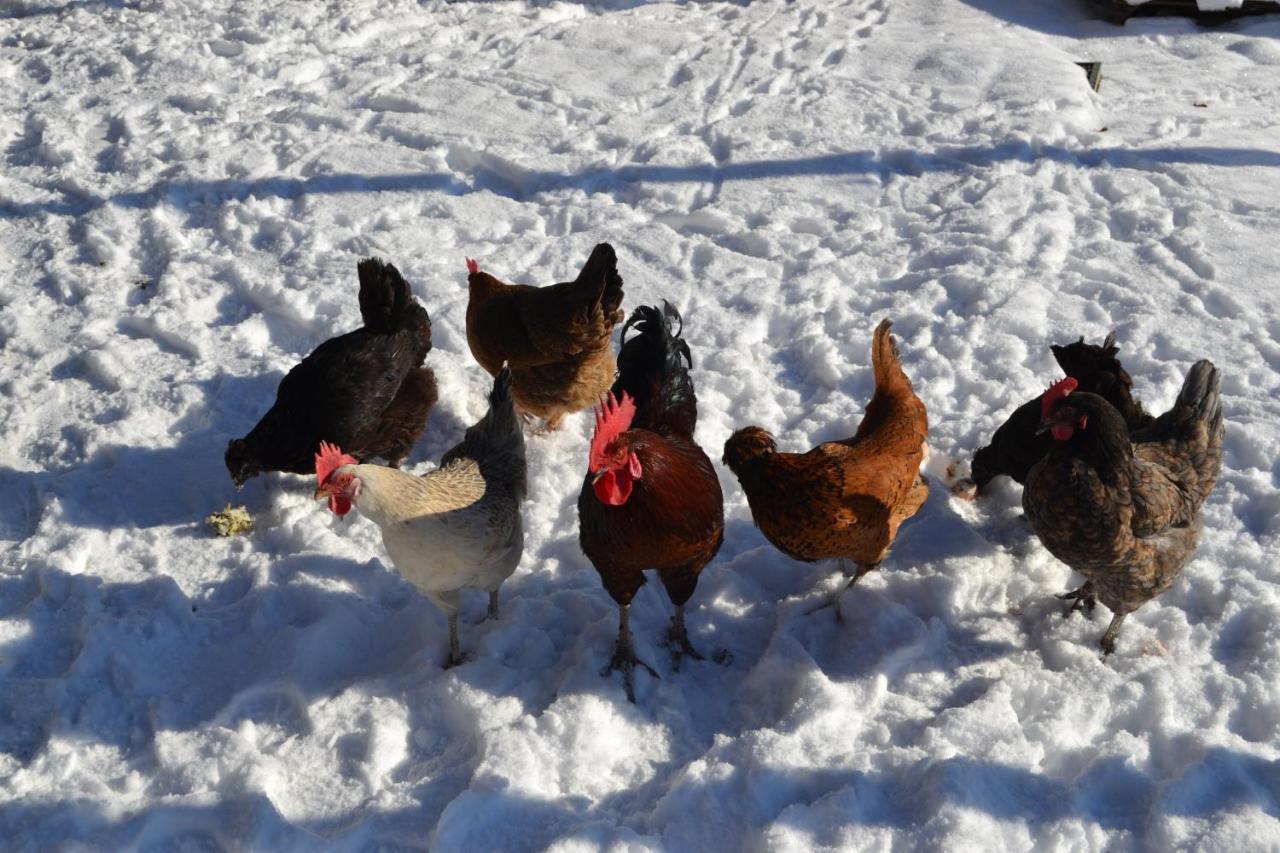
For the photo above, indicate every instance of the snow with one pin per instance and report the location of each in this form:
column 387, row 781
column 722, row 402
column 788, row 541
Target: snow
column 186, row 190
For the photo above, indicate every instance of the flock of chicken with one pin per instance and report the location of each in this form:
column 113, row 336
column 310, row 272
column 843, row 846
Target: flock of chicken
column 1111, row 491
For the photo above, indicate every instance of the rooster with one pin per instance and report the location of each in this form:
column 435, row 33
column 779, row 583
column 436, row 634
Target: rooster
column 650, row 499
column 459, row 525
column 1120, row 508
column 556, row 338
column 366, row 390
column 843, row 499
column 1016, row 445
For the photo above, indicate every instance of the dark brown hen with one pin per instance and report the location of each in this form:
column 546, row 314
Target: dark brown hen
column 1124, row 510
column 651, row 499
column 365, row 391
column 555, row 338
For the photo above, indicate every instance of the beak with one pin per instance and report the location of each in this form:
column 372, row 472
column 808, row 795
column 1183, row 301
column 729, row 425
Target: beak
column 596, row 477
column 321, row 494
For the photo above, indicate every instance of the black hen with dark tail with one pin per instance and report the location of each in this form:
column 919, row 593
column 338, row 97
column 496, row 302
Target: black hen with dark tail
column 365, row 391
column 1016, row 446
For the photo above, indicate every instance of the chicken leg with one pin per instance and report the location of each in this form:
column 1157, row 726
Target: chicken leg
column 853, row 576
column 678, row 638
column 455, row 651
column 1108, row 642
column 493, row 605
column 624, row 655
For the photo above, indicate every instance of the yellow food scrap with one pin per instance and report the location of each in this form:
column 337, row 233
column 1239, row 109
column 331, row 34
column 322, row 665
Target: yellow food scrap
column 230, row 521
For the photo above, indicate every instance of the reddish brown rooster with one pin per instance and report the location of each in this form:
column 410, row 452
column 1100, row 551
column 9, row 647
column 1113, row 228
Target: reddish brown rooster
column 651, row 499
column 555, row 338
column 843, row 499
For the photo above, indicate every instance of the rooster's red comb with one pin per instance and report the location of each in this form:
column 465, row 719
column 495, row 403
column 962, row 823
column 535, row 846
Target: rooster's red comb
column 329, row 459
column 1056, row 392
column 473, row 266
column 613, row 418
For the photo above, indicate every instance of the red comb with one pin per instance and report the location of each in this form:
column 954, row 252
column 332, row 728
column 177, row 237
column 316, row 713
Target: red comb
column 1056, row 392
column 473, row 266
column 613, row 417
column 329, row 459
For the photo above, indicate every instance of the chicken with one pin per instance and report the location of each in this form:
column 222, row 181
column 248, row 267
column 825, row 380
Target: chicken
column 366, row 390
column 843, row 499
column 459, row 525
column 1120, row 508
column 650, row 499
column 1016, row 445
column 556, row 338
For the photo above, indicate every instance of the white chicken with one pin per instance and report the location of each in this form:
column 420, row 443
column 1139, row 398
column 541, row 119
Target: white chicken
column 457, row 526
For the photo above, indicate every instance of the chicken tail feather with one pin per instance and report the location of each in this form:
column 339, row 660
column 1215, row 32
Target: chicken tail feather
column 387, row 305
column 885, row 363
column 653, row 367
column 600, row 276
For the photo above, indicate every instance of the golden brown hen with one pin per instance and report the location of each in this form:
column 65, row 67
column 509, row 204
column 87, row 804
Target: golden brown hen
column 555, row 338
column 843, row 499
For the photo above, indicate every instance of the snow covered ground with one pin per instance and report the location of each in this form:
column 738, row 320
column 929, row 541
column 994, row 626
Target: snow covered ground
column 186, row 188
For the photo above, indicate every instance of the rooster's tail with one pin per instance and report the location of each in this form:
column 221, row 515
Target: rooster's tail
column 653, row 367
column 1199, row 404
column 387, row 304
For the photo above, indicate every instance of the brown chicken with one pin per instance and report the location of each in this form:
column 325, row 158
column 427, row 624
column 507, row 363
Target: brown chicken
column 1122, row 509
column 556, row 338
column 843, row 499
column 650, row 499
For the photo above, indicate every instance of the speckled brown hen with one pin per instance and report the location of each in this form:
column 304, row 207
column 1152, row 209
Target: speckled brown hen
column 556, row 339
column 1124, row 511
column 843, row 499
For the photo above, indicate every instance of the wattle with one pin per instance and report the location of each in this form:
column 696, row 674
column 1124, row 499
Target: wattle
column 614, row 488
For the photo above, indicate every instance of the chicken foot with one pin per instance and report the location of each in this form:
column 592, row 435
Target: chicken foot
column 624, row 655
column 1083, row 599
column 678, row 638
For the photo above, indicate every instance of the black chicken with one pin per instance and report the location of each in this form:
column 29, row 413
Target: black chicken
column 365, row 391
column 1016, row 445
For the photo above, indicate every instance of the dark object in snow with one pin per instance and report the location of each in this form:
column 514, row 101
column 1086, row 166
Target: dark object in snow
column 1093, row 71
column 1119, row 11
